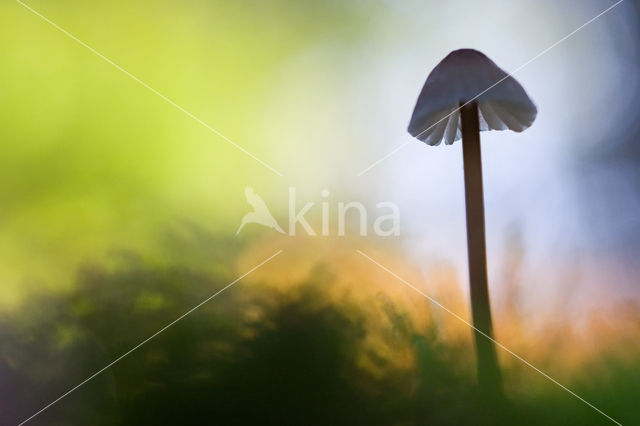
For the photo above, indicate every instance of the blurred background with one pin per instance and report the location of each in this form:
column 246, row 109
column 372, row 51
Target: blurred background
column 118, row 213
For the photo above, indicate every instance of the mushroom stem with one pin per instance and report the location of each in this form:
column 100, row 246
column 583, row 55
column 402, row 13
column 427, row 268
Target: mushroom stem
column 487, row 363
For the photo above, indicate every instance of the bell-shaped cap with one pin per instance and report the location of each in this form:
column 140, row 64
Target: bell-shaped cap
column 462, row 76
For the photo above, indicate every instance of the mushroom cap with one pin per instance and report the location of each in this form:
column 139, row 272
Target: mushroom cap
column 462, row 76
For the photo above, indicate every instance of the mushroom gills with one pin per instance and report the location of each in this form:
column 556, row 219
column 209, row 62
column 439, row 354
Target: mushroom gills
column 437, row 132
column 490, row 117
column 434, row 129
column 515, row 119
column 453, row 133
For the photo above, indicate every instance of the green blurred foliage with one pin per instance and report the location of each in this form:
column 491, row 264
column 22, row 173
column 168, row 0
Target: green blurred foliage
column 254, row 355
column 91, row 161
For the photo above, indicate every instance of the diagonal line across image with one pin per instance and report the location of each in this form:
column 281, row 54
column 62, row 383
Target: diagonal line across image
column 518, row 357
column 163, row 329
column 146, row 86
column 399, row 147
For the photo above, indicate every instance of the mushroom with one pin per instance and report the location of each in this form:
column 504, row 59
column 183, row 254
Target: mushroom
column 467, row 93
column 465, row 77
